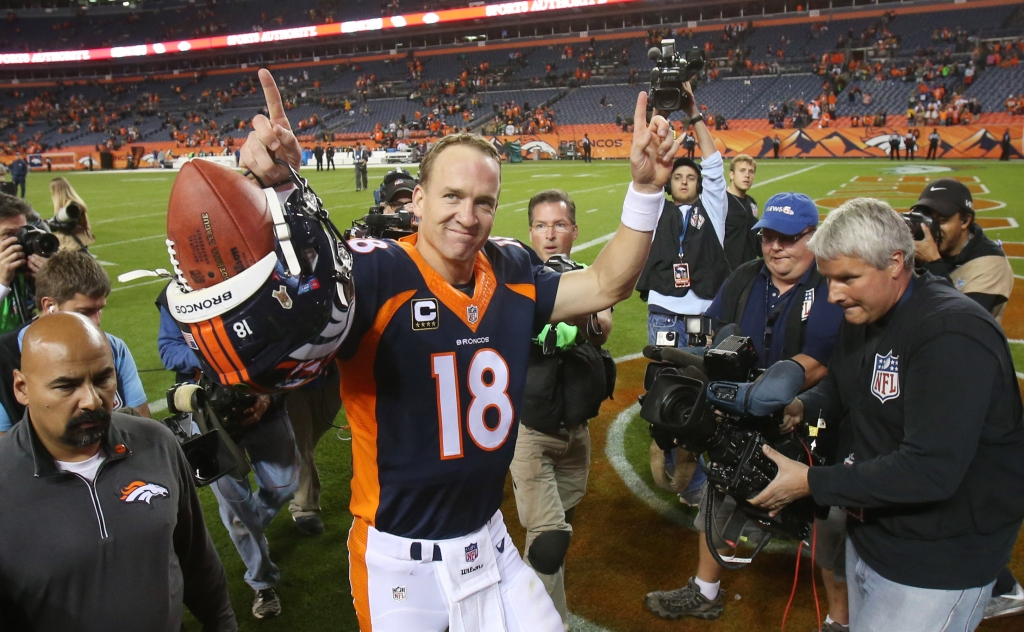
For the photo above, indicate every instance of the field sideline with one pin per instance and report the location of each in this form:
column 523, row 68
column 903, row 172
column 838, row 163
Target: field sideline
column 628, row 539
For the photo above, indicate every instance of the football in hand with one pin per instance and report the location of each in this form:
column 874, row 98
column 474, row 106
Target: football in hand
column 219, row 223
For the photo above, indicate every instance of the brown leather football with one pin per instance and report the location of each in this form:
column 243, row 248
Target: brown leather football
column 219, row 222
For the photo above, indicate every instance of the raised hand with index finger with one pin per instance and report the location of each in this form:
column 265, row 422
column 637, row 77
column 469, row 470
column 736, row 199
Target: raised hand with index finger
column 271, row 138
column 653, row 151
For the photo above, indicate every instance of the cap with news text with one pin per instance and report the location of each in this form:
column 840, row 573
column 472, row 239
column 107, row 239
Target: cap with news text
column 788, row 214
column 946, row 197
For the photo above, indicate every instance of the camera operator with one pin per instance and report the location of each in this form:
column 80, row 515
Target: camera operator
column 70, row 282
column 923, row 387
column 396, row 192
column 265, row 434
column 552, row 456
column 70, row 221
column 976, row 265
column 103, row 528
column 782, row 304
column 16, row 269
column 687, row 264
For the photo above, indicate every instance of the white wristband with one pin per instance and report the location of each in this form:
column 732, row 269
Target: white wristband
column 641, row 211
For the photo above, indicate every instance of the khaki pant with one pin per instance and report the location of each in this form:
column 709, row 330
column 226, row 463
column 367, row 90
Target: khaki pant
column 677, row 477
column 549, row 476
column 312, row 411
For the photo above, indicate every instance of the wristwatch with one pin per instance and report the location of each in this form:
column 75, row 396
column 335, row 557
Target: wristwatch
column 697, row 119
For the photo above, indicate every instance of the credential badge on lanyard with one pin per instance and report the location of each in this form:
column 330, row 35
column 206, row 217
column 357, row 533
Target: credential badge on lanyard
column 808, row 303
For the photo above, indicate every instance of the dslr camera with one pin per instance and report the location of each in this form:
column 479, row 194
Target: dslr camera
column 67, row 218
column 721, row 406
column 919, row 222
column 669, row 74
column 217, row 411
column 36, row 241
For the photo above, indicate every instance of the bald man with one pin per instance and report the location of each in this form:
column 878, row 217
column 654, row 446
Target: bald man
column 102, row 527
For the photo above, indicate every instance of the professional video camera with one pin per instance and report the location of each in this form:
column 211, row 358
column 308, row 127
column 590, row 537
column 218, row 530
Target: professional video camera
column 715, row 405
column 67, row 218
column 917, row 222
column 35, row 241
column 669, row 74
column 218, row 412
column 380, row 225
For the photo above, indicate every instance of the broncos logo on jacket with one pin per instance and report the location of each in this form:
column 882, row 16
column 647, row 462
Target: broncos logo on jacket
column 141, row 491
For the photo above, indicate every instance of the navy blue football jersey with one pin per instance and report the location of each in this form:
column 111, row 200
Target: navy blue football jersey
column 432, row 380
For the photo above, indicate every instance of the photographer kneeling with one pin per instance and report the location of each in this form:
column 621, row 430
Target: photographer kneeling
column 782, row 304
column 923, row 386
column 264, row 432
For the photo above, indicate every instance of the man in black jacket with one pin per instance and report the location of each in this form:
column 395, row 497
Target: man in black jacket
column 923, row 387
column 103, row 529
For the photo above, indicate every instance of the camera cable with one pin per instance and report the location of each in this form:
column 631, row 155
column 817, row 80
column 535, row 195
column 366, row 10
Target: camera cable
column 799, row 551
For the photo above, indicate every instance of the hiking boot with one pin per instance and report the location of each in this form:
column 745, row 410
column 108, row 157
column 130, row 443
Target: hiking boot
column 266, row 604
column 1005, row 605
column 685, row 602
column 309, row 525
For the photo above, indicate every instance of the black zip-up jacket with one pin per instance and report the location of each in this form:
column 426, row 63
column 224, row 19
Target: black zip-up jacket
column 120, row 554
column 931, row 443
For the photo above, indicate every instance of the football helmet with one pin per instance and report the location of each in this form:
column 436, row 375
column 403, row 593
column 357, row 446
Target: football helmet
column 277, row 324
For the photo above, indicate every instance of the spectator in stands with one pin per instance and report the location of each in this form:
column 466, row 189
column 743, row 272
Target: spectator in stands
column 687, row 264
column 70, row 282
column 19, row 172
column 741, row 243
column 74, row 233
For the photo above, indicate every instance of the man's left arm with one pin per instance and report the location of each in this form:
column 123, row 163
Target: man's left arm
column 943, row 418
column 614, row 273
column 206, row 584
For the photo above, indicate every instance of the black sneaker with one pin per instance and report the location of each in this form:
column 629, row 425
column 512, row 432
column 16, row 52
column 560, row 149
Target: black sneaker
column 309, row 525
column 684, row 602
column 266, row 604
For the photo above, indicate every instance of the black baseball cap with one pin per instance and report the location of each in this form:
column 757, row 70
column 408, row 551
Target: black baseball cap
column 396, row 184
column 945, row 196
column 686, row 162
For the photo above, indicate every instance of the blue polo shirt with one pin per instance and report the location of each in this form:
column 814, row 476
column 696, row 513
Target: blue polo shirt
column 765, row 300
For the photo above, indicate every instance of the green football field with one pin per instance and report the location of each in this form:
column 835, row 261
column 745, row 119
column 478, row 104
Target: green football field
column 628, row 536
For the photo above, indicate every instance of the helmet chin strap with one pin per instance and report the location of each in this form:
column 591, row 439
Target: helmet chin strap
column 282, row 232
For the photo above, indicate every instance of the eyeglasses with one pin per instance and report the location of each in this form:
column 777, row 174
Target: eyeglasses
column 560, row 227
column 784, row 241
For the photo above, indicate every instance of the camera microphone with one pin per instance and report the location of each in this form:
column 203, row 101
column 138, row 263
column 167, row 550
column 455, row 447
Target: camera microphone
column 654, row 54
column 182, row 398
column 773, row 391
column 684, row 359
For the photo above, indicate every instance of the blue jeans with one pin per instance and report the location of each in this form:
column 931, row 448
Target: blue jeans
column 880, row 605
column 664, row 322
column 275, row 461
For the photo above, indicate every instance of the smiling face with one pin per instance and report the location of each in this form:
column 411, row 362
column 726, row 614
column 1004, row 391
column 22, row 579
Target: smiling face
column 456, row 207
column 864, row 292
column 787, row 257
column 684, row 185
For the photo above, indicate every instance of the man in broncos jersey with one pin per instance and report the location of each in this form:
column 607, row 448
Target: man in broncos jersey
column 433, row 371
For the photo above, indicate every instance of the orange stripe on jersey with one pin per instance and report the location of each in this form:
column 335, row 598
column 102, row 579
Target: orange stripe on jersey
column 358, row 576
column 210, row 347
column 529, row 290
column 359, row 393
column 458, row 302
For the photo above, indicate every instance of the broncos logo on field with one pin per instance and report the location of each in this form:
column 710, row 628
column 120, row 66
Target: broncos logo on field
column 142, row 492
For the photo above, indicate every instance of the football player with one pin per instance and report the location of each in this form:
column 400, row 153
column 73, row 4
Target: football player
column 432, row 376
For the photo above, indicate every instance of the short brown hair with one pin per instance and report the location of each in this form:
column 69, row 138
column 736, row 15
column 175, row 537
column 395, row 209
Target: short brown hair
column 553, row 195
column 12, row 206
column 67, row 273
column 479, row 143
column 742, row 158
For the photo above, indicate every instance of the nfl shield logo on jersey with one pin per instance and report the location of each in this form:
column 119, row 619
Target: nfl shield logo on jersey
column 885, row 381
column 472, row 552
column 398, row 593
column 472, row 314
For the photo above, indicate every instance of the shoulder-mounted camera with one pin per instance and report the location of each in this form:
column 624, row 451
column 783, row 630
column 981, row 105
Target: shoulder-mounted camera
column 669, row 74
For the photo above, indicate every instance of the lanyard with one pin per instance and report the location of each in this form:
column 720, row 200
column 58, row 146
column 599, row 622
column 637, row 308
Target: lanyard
column 686, row 225
column 771, row 315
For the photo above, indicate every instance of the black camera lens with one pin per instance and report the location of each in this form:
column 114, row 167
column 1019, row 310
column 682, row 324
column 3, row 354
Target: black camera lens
column 37, row 242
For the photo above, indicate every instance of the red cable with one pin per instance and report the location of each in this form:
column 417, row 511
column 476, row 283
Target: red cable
column 796, row 578
column 796, row 572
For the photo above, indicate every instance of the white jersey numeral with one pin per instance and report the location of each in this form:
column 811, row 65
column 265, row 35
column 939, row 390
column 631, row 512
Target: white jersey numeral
column 488, row 382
